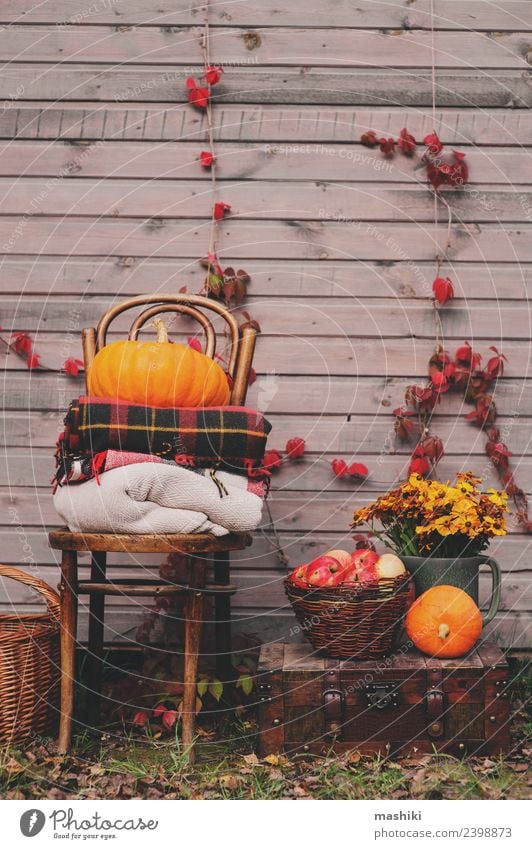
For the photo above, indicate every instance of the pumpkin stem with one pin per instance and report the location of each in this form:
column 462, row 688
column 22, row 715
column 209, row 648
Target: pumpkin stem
column 162, row 332
column 443, row 631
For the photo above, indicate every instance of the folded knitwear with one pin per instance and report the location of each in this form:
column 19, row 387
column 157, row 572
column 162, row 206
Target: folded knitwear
column 147, row 498
column 229, row 438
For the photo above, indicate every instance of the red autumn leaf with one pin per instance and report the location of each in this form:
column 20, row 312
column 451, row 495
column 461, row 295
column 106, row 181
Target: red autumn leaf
column 339, row 468
column 206, row 158
column 272, row 460
column 358, row 470
column 403, row 424
column 158, row 711
column 406, row 142
column 419, row 466
column 169, row 719
column 295, row 447
column 197, row 95
column 424, row 398
column 387, row 146
column 431, row 447
column 435, row 176
column 21, row 343
column 369, row 139
column 494, row 434
column 495, row 365
column 443, row 290
column 140, row 718
column 182, row 290
column 213, row 73
column 460, row 173
column 364, row 541
column 195, row 343
column 252, row 376
column 33, row 361
column 72, row 366
column 433, row 143
column 440, row 381
column 485, row 411
column 465, row 354
column 498, row 453
column 449, row 370
column 220, row 209
column 250, row 322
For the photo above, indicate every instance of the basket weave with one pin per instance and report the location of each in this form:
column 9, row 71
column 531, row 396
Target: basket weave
column 29, row 665
column 359, row 620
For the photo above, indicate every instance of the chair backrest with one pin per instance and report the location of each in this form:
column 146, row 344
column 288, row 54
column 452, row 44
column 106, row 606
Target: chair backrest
column 241, row 342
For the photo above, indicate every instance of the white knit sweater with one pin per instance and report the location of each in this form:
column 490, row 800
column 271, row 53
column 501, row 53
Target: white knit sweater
column 146, row 498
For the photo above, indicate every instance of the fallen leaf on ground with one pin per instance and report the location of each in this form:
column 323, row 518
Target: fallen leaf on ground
column 230, row 782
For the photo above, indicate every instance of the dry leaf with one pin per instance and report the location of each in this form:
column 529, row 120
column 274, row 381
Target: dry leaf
column 230, row 782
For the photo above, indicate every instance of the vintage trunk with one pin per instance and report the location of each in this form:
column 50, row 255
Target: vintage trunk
column 404, row 703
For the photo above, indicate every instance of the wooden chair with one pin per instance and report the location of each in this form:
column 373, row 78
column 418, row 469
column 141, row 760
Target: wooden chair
column 241, row 349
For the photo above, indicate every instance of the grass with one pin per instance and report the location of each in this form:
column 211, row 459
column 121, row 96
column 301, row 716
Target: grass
column 120, row 765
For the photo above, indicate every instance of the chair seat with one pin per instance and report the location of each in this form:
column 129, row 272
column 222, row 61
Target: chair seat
column 66, row 540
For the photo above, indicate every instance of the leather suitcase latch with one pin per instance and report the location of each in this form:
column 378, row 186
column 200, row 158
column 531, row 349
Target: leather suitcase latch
column 333, row 704
column 434, row 701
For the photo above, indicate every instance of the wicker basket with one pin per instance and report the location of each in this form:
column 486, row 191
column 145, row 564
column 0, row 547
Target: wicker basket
column 29, row 665
column 360, row 620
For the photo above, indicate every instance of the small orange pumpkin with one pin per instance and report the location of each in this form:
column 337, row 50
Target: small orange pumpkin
column 157, row 374
column 444, row 622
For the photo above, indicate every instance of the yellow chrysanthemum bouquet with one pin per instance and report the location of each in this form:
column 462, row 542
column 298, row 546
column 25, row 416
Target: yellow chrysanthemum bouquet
column 426, row 518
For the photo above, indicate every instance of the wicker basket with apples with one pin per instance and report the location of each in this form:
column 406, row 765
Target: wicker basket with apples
column 350, row 605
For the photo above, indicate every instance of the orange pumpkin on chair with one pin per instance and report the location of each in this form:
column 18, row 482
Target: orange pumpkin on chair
column 157, row 374
column 444, row 622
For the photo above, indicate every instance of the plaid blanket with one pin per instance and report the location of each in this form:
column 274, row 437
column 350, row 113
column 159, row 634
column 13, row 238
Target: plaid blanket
column 230, row 438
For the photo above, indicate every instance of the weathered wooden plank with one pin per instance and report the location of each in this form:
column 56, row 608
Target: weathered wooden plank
column 338, row 163
column 272, row 277
column 258, row 123
column 294, row 510
column 279, row 394
column 342, row 86
column 349, row 320
column 326, row 434
column 302, row 356
column 257, row 200
column 312, row 474
column 448, row 14
column 268, row 46
column 257, row 240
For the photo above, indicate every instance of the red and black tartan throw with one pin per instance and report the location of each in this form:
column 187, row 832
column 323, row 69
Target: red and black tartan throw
column 230, row 438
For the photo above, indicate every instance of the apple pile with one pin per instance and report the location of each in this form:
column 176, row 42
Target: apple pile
column 339, row 567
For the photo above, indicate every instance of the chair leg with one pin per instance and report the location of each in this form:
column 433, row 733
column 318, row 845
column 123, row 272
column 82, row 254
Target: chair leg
column 95, row 641
column 222, row 616
column 193, row 624
column 69, row 610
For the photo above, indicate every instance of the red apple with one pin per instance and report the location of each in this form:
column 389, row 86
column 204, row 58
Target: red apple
column 297, row 575
column 390, row 566
column 349, row 575
column 343, row 557
column 364, row 560
column 320, row 570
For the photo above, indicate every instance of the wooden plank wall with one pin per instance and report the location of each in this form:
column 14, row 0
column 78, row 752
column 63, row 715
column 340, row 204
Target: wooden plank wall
column 102, row 198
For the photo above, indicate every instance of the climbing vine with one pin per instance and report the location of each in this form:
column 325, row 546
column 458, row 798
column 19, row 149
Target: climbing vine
column 462, row 372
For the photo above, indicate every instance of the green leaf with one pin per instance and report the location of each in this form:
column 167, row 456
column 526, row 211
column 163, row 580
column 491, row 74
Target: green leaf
column 245, row 682
column 203, row 685
column 216, row 689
